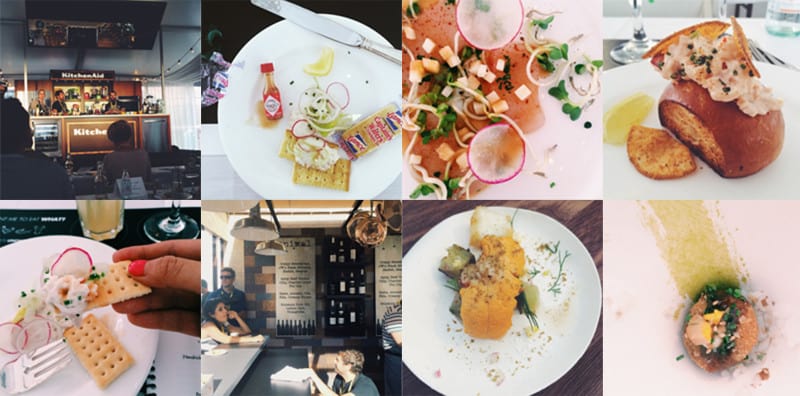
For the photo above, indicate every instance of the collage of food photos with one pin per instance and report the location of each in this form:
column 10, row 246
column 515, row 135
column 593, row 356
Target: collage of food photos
column 237, row 197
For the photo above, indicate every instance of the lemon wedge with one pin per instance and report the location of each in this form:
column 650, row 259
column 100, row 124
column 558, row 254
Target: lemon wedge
column 323, row 65
column 20, row 314
column 618, row 120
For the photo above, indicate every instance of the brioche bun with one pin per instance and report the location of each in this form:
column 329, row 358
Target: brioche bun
column 731, row 142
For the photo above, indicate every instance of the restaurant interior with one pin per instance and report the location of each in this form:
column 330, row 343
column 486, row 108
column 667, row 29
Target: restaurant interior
column 318, row 277
column 79, row 66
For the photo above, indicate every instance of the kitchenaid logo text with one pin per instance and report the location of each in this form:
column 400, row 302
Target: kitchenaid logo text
column 82, row 75
column 88, row 132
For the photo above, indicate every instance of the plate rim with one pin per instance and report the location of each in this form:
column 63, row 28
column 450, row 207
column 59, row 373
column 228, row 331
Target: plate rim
column 597, row 305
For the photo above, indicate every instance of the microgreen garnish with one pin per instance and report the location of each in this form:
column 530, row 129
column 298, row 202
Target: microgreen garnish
column 679, row 358
column 542, row 23
column 412, row 9
column 452, row 185
column 560, row 92
column 422, row 190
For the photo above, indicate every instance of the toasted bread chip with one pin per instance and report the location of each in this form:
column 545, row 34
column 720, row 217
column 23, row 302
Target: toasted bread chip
column 335, row 178
column 657, row 155
column 710, row 30
column 744, row 48
column 100, row 353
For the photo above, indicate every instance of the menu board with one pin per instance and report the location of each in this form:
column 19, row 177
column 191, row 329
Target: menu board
column 388, row 275
column 295, row 277
column 21, row 224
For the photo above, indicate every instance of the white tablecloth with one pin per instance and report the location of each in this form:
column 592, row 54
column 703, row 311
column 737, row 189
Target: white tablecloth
column 785, row 48
column 220, row 180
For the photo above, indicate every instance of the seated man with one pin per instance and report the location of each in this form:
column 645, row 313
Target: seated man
column 24, row 173
column 350, row 381
column 125, row 157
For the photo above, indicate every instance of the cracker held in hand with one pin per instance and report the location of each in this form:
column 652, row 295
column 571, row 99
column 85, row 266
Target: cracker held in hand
column 99, row 352
column 117, row 286
column 657, row 155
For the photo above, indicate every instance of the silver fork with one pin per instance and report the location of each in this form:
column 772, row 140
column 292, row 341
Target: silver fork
column 31, row 369
column 764, row 56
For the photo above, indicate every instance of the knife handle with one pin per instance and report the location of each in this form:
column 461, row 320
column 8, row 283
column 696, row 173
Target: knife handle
column 386, row 52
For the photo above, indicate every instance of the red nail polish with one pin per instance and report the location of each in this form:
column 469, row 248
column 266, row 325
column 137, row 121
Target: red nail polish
column 136, row 268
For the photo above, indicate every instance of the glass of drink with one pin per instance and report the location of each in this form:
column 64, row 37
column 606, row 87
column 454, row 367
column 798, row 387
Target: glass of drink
column 171, row 225
column 101, row 219
column 632, row 50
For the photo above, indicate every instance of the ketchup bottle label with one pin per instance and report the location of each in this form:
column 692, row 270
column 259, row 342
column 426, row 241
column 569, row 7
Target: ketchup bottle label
column 272, row 106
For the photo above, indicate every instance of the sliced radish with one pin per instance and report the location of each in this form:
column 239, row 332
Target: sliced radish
column 73, row 261
column 36, row 333
column 489, row 24
column 301, row 129
column 346, row 93
column 9, row 331
column 496, row 153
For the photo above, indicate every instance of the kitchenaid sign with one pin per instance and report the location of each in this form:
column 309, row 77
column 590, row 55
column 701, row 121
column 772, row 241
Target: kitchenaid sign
column 81, row 75
column 91, row 136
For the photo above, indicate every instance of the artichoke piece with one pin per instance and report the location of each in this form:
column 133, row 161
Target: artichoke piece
column 455, row 306
column 457, row 258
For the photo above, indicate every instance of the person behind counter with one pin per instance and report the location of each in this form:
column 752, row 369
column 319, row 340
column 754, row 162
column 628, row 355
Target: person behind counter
column 39, row 106
column 24, row 173
column 59, row 106
column 112, row 107
column 349, row 381
column 125, row 157
column 217, row 326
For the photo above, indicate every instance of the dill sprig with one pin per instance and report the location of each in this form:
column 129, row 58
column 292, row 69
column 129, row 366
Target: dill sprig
column 562, row 259
column 524, row 308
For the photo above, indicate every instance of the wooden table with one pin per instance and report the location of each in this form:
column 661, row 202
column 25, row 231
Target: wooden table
column 583, row 218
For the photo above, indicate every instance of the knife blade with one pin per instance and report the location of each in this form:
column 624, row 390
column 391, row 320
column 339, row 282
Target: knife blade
column 316, row 23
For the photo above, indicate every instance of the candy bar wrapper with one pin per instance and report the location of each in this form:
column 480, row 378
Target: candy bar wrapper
column 371, row 132
column 214, row 79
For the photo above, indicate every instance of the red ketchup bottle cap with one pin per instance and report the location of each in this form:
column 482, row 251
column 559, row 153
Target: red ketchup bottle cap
column 267, row 67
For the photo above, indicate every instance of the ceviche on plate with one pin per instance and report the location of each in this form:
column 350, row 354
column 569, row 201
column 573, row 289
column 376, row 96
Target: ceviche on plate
column 472, row 75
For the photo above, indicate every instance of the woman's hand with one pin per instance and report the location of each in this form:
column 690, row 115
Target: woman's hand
column 172, row 269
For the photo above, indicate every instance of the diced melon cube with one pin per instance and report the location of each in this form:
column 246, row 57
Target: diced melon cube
column 492, row 97
column 489, row 77
column 461, row 161
column 501, row 64
column 446, row 52
column 482, row 70
column 409, row 32
column 462, row 81
column 445, row 152
column 522, row 92
column 431, row 65
column 473, row 82
column 447, row 91
column 428, row 45
column 501, row 106
column 414, row 159
column 472, row 66
column 453, row 61
column 463, row 132
column 416, row 71
column 478, row 108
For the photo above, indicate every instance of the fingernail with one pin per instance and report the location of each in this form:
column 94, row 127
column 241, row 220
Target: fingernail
column 136, row 268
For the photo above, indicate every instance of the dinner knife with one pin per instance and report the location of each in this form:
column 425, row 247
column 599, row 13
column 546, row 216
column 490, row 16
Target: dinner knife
column 318, row 24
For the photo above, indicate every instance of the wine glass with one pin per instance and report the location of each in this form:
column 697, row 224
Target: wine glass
column 632, row 50
column 722, row 9
column 171, row 225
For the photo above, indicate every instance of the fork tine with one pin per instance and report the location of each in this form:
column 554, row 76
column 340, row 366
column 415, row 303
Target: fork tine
column 48, row 368
column 55, row 345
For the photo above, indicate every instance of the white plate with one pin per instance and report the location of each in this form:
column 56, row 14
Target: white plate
column 430, row 347
column 253, row 150
column 576, row 165
column 21, row 264
column 776, row 181
column 641, row 338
